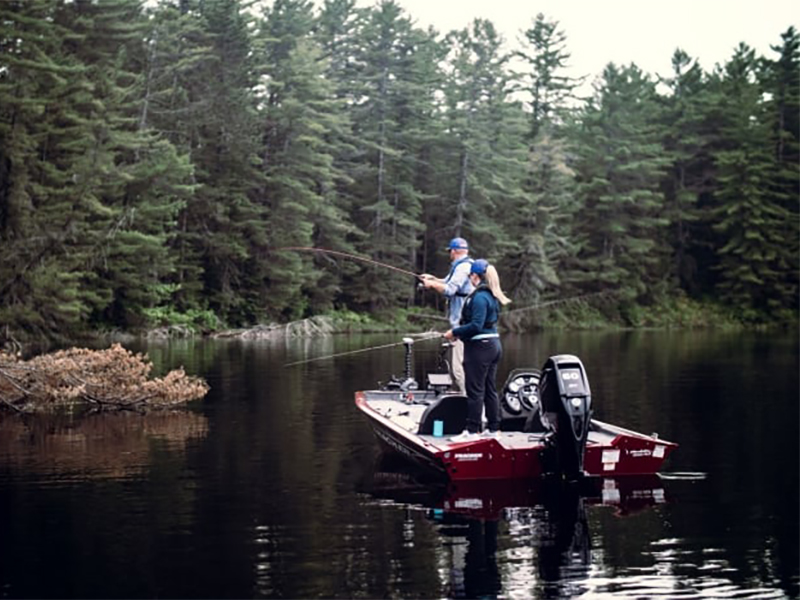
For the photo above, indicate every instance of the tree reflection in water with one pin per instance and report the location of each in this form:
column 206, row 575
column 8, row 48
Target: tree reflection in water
column 552, row 516
column 93, row 446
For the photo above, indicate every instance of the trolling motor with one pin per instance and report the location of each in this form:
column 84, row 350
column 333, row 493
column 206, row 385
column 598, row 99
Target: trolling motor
column 566, row 402
column 407, row 382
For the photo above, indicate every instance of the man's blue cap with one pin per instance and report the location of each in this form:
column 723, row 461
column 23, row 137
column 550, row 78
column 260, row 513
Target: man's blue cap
column 458, row 244
column 479, row 266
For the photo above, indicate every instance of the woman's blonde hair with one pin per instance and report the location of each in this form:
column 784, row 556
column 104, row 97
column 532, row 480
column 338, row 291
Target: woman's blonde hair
column 492, row 280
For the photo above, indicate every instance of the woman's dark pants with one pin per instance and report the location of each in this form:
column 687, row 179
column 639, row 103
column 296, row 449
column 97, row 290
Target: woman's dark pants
column 480, row 369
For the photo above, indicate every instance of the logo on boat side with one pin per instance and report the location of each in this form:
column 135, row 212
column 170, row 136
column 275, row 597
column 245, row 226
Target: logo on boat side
column 640, row 453
column 394, row 444
column 468, row 456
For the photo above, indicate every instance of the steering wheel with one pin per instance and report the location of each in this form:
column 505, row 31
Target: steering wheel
column 521, row 394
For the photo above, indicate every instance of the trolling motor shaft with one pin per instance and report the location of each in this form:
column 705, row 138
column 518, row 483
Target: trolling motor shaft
column 409, row 344
column 407, row 383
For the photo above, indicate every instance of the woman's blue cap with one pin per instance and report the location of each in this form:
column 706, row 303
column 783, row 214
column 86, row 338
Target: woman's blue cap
column 479, row 266
column 458, row 244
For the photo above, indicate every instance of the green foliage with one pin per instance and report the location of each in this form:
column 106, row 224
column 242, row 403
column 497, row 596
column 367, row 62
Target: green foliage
column 540, row 232
column 580, row 315
column 684, row 313
column 752, row 222
column 155, row 157
column 619, row 172
column 193, row 319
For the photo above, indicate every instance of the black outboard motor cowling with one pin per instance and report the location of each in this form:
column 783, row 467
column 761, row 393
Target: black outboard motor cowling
column 567, row 411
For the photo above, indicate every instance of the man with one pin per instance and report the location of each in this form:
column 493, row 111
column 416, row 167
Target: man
column 456, row 286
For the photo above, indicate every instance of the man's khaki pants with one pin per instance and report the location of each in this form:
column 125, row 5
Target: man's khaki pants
column 457, row 366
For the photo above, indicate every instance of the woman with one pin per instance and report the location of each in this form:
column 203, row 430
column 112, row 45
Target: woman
column 482, row 348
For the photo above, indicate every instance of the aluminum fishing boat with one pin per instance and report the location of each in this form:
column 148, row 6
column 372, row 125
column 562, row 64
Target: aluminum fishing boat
column 546, row 427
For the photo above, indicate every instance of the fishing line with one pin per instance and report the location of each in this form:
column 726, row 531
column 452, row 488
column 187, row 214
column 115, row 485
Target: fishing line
column 559, row 301
column 350, row 256
column 424, row 337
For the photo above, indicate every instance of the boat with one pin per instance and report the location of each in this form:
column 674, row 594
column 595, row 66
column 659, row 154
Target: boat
column 546, row 427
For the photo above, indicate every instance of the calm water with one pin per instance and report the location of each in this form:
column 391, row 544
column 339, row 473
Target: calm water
column 271, row 486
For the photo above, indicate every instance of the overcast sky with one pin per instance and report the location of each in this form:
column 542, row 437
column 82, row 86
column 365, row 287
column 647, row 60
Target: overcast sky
column 645, row 32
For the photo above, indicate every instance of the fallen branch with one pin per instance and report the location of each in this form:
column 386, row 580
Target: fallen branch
column 112, row 378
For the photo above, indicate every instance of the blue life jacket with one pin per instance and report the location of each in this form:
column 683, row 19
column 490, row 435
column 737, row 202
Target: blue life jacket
column 461, row 292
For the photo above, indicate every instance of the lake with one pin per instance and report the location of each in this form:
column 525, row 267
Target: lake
column 272, row 485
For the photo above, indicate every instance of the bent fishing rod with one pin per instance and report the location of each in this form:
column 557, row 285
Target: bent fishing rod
column 348, row 255
column 423, row 337
column 538, row 305
column 558, row 301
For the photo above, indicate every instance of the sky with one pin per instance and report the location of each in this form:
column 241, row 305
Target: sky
column 645, row 32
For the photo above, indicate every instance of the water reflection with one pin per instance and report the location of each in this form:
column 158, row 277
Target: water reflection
column 267, row 487
column 544, row 542
column 94, row 446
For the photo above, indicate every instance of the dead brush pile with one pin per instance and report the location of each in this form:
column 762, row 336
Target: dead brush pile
column 114, row 378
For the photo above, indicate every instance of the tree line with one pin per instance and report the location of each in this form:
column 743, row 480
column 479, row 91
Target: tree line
column 156, row 156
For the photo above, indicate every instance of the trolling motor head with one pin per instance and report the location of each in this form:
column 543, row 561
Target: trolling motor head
column 566, row 402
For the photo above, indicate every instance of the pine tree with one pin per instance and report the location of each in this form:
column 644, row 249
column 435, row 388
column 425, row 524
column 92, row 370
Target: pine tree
column 781, row 79
column 302, row 131
column 180, row 51
column 385, row 115
column 102, row 189
column 751, row 225
column 542, row 231
column 222, row 230
column 485, row 155
column 40, row 200
column 621, row 164
column 142, row 180
column 688, row 133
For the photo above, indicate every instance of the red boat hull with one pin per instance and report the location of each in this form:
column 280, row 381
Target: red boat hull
column 610, row 451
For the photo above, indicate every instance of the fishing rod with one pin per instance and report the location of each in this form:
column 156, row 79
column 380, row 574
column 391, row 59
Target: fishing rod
column 350, row 256
column 423, row 337
column 522, row 308
column 558, row 301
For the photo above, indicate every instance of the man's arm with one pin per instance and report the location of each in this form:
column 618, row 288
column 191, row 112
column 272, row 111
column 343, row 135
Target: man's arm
column 433, row 283
column 457, row 281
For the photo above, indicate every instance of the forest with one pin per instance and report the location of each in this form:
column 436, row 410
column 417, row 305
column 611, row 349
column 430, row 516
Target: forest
column 157, row 158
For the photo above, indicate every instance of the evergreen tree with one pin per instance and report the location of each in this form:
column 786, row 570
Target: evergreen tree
column 180, row 52
column 621, row 164
column 781, row 77
column 103, row 191
column 544, row 53
column 485, row 152
column 750, row 224
column 542, row 231
column 303, row 128
column 223, row 228
column 418, row 139
column 39, row 195
column 141, row 180
column 688, row 134
column 386, row 203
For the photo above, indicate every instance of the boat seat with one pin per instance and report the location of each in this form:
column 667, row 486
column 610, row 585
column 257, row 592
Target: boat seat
column 450, row 410
column 513, row 423
column 533, row 423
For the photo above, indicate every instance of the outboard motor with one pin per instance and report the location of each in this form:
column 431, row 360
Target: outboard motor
column 566, row 411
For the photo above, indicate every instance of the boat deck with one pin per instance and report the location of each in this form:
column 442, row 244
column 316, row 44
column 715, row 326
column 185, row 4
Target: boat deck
column 407, row 416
